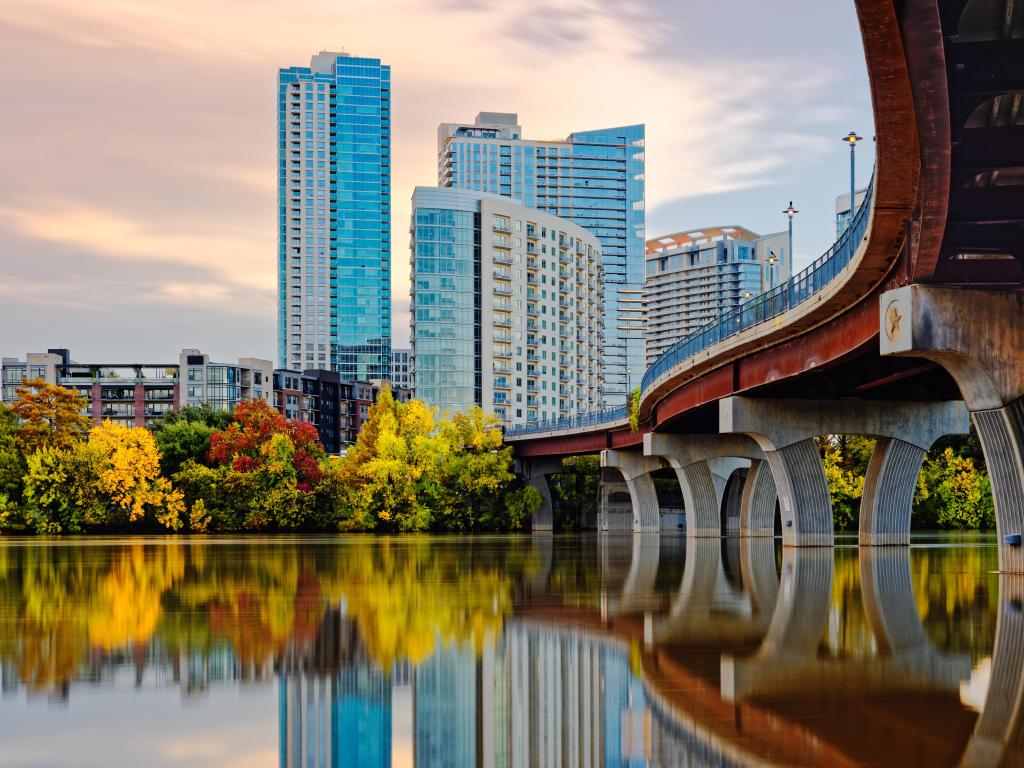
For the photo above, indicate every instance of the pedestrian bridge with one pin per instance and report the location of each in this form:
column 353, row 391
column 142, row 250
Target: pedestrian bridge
column 910, row 327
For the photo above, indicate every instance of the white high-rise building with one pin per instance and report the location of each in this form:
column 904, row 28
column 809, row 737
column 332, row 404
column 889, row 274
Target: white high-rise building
column 694, row 277
column 592, row 178
column 507, row 308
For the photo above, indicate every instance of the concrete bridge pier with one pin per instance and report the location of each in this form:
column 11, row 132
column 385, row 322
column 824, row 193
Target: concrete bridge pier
column 759, row 501
column 978, row 337
column 786, row 430
column 703, row 464
column 535, row 473
column 635, row 469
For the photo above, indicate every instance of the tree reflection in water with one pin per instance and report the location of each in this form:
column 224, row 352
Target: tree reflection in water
column 583, row 650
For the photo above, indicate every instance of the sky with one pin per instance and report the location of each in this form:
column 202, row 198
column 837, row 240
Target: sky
column 138, row 146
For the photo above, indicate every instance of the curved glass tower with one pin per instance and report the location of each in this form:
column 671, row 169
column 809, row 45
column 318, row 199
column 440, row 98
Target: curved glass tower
column 334, row 216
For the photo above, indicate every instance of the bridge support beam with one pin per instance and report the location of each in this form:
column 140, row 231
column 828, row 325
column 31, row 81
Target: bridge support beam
column 535, row 473
column 786, row 431
column 978, row 337
column 702, row 464
column 636, row 472
column 757, row 505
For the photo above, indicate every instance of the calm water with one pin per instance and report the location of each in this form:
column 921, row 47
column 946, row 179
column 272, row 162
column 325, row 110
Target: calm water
column 564, row 651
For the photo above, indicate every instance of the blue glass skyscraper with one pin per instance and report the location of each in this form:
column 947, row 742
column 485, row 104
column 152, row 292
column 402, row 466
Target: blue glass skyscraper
column 593, row 178
column 334, row 216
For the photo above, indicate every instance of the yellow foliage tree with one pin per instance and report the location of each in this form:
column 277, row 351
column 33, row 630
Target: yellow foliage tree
column 131, row 474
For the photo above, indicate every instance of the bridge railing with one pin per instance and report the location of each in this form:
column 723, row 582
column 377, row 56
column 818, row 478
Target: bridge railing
column 579, row 421
column 766, row 306
column 771, row 303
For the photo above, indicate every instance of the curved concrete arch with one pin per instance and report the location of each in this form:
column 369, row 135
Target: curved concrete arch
column 702, row 464
column 636, row 473
column 758, row 502
column 786, row 430
column 983, row 355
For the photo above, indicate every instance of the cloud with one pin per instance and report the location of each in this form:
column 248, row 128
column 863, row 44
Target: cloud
column 146, row 134
column 107, row 233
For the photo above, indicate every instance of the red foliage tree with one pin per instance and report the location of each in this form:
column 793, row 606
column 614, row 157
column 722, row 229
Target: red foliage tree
column 256, row 422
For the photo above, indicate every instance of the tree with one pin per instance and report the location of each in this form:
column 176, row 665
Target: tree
column 130, row 475
column 12, row 463
column 241, row 444
column 185, row 434
column 952, row 493
column 62, row 489
column 51, row 416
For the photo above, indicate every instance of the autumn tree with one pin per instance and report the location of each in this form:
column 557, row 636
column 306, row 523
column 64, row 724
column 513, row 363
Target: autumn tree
column 130, row 475
column 245, row 444
column 12, row 463
column 51, row 416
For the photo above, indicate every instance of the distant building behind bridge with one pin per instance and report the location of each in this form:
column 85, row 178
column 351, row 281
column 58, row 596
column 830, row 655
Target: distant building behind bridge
column 693, row 277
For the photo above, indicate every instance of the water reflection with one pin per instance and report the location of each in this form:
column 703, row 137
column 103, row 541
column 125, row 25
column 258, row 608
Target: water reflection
column 589, row 650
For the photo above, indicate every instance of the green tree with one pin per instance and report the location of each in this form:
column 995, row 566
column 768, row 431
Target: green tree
column 574, row 491
column 51, row 416
column 62, row 489
column 12, row 462
column 952, row 493
column 185, row 434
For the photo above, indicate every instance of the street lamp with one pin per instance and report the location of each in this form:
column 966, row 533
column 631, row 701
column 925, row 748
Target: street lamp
column 852, row 138
column 791, row 212
column 629, row 383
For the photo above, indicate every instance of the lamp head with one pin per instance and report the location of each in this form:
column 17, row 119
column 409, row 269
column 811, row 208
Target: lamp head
column 852, row 138
column 791, row 211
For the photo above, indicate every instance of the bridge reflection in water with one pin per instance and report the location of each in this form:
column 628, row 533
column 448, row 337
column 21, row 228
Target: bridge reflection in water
column 610, row 650
column 697, row 652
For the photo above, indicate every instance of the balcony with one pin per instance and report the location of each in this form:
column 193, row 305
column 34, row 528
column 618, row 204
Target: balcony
column 501, row 290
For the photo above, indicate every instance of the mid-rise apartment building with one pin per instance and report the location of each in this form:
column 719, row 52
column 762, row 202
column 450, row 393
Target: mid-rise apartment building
column 138, row 393
column 592, row 178
column 507, row 308
column 334, row 216
column 695, row 276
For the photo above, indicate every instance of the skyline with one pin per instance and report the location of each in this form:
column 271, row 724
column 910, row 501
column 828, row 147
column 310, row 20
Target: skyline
column 176, row 247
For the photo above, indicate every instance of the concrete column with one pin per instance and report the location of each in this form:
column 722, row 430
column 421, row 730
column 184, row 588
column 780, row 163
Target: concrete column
column 702, row 464
column 757, row 504
column 786, row 431
column 535, row 473
column 629, row 567
column 1001, row 433
column 636, row 472
column 888, row 497
column 804, row 499
column 978, row 337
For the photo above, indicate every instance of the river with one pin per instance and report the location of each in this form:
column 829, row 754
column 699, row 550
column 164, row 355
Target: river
column 574, row 650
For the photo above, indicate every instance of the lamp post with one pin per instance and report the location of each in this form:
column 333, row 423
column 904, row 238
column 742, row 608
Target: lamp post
column 629, row 383
column 852, row 138
column 791, row 212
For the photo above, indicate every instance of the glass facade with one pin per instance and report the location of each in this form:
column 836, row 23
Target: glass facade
column 334, row 201
column 694, row 277
column 594, row 179
column 446, row 330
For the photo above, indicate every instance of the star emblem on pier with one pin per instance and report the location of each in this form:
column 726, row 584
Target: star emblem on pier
column 893, row 321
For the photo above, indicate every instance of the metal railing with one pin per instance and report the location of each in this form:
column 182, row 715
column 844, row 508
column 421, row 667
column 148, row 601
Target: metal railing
column 771, row 303
column 579, row 421
column 766, row 306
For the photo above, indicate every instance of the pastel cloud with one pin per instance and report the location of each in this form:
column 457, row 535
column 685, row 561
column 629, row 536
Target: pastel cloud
column 146, row 131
